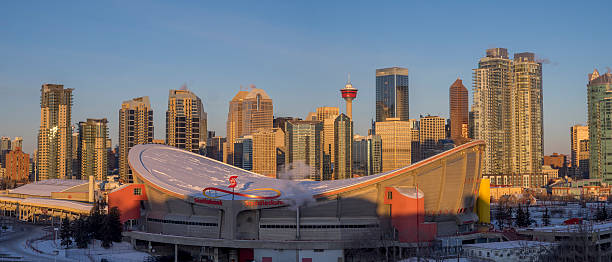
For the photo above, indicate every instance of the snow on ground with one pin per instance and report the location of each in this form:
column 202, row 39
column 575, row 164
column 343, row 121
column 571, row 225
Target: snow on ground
column 558, row 212
column 118, row 252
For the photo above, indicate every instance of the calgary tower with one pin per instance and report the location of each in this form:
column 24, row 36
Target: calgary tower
column 349, row 93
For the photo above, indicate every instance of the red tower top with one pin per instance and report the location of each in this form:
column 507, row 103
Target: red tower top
column 349, row 92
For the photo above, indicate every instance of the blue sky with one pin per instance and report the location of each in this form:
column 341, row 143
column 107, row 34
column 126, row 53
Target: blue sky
column 300, row 53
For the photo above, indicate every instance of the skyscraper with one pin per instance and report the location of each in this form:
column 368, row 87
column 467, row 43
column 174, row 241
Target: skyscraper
column 243, row 152
column 248, row 112
column 185, row 120
column 343, row 138
column 17, row 143
column 599, row 91
column 396, row 143
column 431, row 132
column 214, row 148
column 458, row 103
column 508, row 112
column 392, row 94
column 135, row 127
column 264, row 152
column 580, row 148
column 328, row 115
column 5, row 147
column 367, row 155
column 94, row 149
column 303, row 143
column 527, row 115
column 54, row 156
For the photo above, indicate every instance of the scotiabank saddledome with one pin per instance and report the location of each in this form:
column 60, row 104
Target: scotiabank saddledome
column 188, row 199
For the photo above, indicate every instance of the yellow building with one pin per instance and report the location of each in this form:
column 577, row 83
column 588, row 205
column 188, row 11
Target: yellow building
column 185, row 120
column 396, row 143
column 249, row 111
column 264, row 152
column 135, row 127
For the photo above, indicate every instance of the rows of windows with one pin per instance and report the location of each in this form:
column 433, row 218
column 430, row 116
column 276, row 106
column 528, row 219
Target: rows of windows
column 320, row 226
column 178, row 222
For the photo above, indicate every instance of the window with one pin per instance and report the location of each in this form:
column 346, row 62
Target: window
column 389, row 195
column 137, row 191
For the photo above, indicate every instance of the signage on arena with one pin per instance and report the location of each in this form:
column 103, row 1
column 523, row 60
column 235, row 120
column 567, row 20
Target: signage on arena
column 262, row 197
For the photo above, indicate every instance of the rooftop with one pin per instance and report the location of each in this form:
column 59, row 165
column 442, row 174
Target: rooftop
column 45, row 187
column 509, row 244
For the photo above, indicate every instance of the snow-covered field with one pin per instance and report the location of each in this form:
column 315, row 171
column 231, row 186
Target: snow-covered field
column 118, row 252
column 558, row 212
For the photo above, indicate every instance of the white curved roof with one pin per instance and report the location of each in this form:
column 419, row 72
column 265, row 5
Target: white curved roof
column 45, row 187
column 188, row 174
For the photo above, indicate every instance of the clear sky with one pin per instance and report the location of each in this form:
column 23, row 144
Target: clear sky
column 300, row 53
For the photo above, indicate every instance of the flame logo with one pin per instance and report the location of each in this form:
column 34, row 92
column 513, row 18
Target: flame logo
column 232, row 180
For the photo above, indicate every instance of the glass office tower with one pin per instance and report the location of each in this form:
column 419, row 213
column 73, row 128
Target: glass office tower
column 392, row 93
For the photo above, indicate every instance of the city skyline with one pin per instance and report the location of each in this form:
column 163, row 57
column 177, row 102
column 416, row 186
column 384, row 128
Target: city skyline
column 88, row 67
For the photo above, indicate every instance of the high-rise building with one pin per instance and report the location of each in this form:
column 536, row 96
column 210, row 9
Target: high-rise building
column 214, row 148
column 392, row 94
column 94, row 150
column 54, row 155
column 396, row 143
column 343, row 139
column 135, row 127
column 17, row 165
column 5, row 147
column 328, row 115
column 579, row 135
column 458, row 103
column 243, row 152
column 185, row 120
column 415, row 141
column 17, row 143
column 367, row 155
column 303, row 144
column 599, row 91
column 527, row 115
column 249, row 111
column 508, row 112
column 76, row 153
column 431, row 134
column 326, row 112
column 264, row 152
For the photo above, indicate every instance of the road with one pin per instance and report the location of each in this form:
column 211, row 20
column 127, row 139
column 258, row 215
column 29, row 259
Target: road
column 15, row 243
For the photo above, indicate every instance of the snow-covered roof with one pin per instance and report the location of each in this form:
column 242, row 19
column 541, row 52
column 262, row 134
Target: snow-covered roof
column 508, row 244
column 602, row 226
column 50, row 203
column 45, row 187
column 188, row 174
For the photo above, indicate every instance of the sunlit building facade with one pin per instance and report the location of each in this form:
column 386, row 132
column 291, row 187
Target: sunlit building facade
column 186, row 120
column 431, row 132
column 392, row 93
column 599, row 94
column 396, row 143
column 94, row 150
column 579, row 136
column 135, row 127
column 458, row 102
column 508, row 112
column 264, row 152
column 54, row 155
column 303, row 144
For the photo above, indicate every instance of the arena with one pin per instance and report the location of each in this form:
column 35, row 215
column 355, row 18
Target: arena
column 182, row 201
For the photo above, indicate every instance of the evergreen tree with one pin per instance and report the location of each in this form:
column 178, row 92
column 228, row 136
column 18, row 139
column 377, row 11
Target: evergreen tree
column 95, row 220
column 508, row 215
column 528, row 221
column 111, row 228
column 546, row 218
column 66, row 233
column 80, row 233
column 519, row 219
